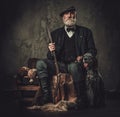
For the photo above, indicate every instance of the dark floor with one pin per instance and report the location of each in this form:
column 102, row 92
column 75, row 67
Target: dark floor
column 12, row 108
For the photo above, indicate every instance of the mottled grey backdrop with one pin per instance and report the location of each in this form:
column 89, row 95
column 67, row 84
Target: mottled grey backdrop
column 23, row 32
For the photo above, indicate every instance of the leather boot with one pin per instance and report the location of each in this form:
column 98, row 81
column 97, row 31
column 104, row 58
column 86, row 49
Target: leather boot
column 46, row 91
column 82, row 100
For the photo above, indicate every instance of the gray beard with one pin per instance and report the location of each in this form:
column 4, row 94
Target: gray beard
column 70, row 22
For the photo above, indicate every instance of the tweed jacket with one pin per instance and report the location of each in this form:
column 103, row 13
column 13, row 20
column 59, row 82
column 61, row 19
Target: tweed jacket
column 84, row 42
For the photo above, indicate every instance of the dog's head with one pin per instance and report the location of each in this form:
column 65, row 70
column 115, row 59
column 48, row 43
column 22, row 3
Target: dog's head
column 89, row 61
column 22, row 71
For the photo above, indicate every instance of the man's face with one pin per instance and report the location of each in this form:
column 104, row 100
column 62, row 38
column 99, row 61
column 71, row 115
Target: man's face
column 69, row 18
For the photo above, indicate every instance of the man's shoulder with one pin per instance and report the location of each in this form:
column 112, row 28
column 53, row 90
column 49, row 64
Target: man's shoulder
column 83, row 28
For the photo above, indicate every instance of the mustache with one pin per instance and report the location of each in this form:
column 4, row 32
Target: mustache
column 71, row 19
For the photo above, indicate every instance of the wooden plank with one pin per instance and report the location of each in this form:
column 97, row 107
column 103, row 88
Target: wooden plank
column 28, row 87
column 28, row 99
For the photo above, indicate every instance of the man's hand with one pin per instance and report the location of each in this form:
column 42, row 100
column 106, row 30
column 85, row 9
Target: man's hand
column 51, row 46
column 79, row 58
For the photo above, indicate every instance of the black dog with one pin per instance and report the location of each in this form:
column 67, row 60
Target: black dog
column 94, row 81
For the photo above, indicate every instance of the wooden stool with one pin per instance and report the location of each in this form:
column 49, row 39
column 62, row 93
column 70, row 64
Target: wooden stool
column 28, row 91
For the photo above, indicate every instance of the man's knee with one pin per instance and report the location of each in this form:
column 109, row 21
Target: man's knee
column 41, row 64
column 74, row 67
column 77, row 71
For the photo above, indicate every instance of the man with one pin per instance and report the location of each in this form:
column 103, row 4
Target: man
column 70, row 43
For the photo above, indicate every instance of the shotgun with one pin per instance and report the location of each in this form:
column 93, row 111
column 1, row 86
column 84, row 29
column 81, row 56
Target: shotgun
column 57, row 90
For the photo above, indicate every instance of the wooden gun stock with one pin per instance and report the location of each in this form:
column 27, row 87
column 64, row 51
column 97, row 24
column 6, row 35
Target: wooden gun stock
column 57, row 91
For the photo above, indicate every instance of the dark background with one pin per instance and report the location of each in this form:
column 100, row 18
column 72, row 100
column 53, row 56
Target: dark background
column 23, row 33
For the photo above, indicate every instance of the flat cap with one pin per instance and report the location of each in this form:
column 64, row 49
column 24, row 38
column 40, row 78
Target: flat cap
column 72, row 8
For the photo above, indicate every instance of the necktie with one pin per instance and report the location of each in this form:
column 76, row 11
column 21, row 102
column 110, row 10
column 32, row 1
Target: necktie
column 70, row 29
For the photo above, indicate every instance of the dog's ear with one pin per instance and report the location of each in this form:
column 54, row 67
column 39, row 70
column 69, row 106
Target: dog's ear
column 95, row 62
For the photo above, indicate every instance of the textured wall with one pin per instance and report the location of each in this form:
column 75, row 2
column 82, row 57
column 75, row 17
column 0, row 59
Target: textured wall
column 23, row 32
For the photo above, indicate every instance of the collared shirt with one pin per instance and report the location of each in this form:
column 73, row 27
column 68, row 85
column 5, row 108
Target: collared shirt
column 70, row 33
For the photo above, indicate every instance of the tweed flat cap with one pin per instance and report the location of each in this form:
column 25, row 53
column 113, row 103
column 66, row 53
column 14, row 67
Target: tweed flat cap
column 72, row 8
